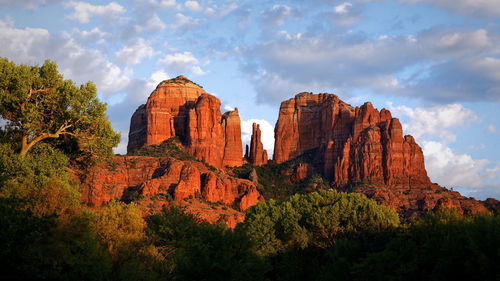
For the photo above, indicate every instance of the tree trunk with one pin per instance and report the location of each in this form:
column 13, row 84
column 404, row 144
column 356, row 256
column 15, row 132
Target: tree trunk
column 24, row 146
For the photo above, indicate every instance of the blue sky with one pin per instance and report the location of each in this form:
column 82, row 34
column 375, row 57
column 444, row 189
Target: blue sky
column 434, row 63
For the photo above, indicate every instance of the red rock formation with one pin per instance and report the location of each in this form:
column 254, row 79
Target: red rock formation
column 189, row 183
column 353, row 144
column 233, row 150
column 415, row 201
column 125, row 177
column 257, row 155
column 138, row 129
column 205, row 137
column 181, row 108
column 300, row 172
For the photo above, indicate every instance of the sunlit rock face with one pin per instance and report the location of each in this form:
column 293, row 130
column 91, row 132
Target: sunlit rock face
column 352, row 144
column 180, row 108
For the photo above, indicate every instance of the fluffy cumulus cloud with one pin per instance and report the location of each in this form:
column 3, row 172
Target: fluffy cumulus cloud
column 476, row 8
column 267, row 133
column 343, row 8
column 434, row 122
column 453, row 170
column 182, row 63
column 346, row 14
column 193, row 6
column 157, row 4
column 332, row 61
column 433, row 128
column 30, row 4
column 83, row 11
column 183, row 23
column 136, row 52
column 492, row 129
column 438, row 64
column 34, row 45
column 152, row 23
column 95, row 35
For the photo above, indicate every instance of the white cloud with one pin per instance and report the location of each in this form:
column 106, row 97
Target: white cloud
column 134, row 53
column 34, row 45
column 196, row 70
column 441, row 64
column 94, row 35
column 181, row 63
column 276, row 16
column 217, row 11
column 193, row 6
column 493, row 173
column 343, row 8
column 267, row 133
column 29, row 4
column 492, row 129
column 83, row 11
column 162, row 4
column 228, row 107
column 435, row 121
column 478, row 8
column 183, row 22
column 156, row 78
column 180, row 59
column 153, row 23
column 450, row 169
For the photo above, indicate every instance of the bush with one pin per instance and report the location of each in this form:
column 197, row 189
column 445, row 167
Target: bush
column 197, row 250
column 171, row 148
column 315, row 219
column 442, row 246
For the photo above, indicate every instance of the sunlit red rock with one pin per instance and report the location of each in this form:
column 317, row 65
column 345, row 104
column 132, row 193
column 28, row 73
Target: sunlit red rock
column 126, row 177
column 354, row 143
column 180, row 108
column 256, row 155
column 233, row 150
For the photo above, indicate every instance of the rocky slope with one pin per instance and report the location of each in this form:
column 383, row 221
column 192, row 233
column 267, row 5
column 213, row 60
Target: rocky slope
column 128, row 178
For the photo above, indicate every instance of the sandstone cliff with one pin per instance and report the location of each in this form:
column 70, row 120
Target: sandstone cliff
column 256, row 155
column 363, row 150
column 128, row 177
column 352, row 144
column 180, row 108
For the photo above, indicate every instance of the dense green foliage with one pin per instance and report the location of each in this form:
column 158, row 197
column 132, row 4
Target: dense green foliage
column 446, row 246
column 198, row 250
column 315, row 219
column 39, row 105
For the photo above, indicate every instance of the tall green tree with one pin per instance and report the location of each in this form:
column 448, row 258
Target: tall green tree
column 39, row 104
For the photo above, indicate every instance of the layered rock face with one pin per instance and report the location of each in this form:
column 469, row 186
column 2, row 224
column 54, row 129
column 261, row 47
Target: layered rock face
column 352, row 144
column 181, row 108
column 125, row 177
column 257, row 155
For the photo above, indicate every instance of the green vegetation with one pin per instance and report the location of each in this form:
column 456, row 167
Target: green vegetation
column 275, row 183
column 39, row 105
column 315, row 219
column 170, row 148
